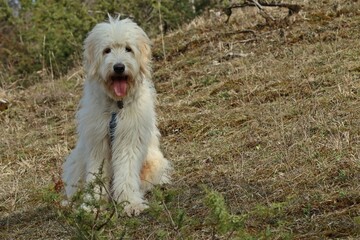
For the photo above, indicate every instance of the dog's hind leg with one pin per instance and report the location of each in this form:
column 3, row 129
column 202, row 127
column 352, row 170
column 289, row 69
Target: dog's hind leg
column 155, row 170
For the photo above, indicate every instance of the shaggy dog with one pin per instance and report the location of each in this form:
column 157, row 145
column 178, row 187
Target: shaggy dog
column 117, row 90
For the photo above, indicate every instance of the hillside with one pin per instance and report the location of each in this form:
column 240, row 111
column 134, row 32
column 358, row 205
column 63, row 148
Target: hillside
column 266, row 114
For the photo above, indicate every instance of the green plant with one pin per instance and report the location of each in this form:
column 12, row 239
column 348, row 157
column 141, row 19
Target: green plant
column 54, row 33
column 219, row 217
column 46, row 39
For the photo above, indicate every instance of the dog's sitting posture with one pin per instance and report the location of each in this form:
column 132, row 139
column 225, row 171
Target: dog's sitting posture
column 117, row 89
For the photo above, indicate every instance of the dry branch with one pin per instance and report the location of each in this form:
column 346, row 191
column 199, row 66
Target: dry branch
column 293, row 8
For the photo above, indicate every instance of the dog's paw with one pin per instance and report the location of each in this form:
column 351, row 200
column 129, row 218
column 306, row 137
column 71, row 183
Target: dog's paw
column 134, row 209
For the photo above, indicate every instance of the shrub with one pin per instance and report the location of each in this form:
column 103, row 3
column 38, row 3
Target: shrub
column 46, row 39
column 54, row 31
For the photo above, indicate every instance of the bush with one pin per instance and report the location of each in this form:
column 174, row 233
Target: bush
column 46, row 39
column 55, row 31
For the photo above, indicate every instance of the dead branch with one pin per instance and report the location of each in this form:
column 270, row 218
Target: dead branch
column 293, row 8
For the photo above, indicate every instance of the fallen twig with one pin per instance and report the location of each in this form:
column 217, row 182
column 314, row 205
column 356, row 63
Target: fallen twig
column 293, row 8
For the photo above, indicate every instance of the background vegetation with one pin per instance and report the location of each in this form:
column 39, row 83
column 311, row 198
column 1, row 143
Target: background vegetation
column 46, row 38
column 259, row 118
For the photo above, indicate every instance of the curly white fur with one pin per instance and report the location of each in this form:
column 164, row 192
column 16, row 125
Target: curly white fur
column 117, row 61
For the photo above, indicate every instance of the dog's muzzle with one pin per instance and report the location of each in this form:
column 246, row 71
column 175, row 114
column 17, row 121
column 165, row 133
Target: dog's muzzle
column 119, row 80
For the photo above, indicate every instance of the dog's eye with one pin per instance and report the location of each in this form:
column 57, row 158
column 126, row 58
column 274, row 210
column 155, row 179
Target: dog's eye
column 107, row 50
column 128, row 49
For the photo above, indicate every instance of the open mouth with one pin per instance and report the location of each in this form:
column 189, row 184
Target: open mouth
column 119, row 84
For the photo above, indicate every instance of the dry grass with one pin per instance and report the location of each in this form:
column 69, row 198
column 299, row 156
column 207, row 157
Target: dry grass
column 267, row 117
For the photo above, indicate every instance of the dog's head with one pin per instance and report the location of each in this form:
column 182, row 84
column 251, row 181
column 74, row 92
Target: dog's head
column 118, row 54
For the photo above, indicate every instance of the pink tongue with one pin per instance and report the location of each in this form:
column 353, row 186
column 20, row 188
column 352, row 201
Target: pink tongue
column 120, row 87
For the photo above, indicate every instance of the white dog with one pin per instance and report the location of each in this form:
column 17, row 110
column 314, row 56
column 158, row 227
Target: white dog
column 118, row 83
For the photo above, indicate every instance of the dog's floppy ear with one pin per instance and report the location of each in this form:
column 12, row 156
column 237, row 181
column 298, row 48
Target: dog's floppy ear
column 91, row 60
column 145, row 61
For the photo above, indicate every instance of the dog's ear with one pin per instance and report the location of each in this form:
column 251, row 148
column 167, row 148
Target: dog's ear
column 145, row 61
column 89, row 56
column 91, row 60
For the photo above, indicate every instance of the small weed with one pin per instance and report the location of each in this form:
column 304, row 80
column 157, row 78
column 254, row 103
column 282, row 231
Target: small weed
column 357, row 223
column 50, row 195
column 224, row 95
column 307, row 210
column 219, row 217
column 87, row 217
column 274, row 210
column 208, row 80
column 343, row 194
column 342, row 175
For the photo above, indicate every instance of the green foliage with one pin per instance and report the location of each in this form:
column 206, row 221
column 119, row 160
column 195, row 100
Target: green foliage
column 357, row 223
column 50, row 196
column 219, row 216
column 161, row 208
column 54, row 33
column 272, row 211
column 47, row 38
column 183, row 12
column 5, row 12
column 87, row 216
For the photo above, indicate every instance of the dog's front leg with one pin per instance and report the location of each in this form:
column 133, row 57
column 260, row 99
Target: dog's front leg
column 93, row 136
column 129, row 151
column 97, row 172
column 97, row 167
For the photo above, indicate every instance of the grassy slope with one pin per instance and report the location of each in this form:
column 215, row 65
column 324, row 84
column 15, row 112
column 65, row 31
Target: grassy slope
column 276, row 131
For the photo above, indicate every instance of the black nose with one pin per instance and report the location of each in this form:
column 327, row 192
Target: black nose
column 119, row 68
